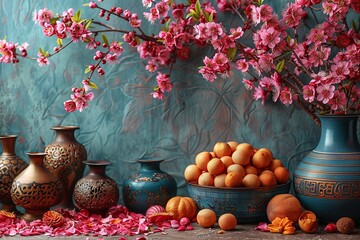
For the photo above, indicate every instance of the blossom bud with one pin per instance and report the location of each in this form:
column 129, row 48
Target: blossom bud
column 316, row 1
column 175, row 223
column 99, row 54
column 330, row 228
column 184, row 221
column 92, row 5
column 119, row 11
column 343, row 40
column 56, row 49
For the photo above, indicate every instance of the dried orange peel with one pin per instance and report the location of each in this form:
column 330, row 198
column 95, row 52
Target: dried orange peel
column 282, row 225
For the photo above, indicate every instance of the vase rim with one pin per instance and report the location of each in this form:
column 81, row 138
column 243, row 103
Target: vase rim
column 97, row 162
column 36, row 153
column 338, row 115
column 150, row 160
column 65, row 127
column 8, row 136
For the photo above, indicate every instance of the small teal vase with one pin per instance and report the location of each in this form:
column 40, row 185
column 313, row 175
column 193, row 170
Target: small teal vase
column 150, row 186
column 327, row 180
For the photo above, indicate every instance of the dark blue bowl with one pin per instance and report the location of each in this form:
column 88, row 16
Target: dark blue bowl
column 247, row 204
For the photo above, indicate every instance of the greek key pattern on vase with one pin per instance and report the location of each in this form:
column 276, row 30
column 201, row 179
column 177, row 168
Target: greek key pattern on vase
column 10, row 167
column 95, row 193
column 327, row 189
column 36, row 195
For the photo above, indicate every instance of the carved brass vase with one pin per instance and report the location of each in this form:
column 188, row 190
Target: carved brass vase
column 10, row 166
column 327, row 180
column 96, row 192
column 65, row 157
column 36, row 189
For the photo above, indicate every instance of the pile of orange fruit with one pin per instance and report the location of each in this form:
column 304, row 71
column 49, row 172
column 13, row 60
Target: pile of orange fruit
column 233, row 164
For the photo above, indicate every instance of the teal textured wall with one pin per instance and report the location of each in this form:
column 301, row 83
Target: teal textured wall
column 124, row 123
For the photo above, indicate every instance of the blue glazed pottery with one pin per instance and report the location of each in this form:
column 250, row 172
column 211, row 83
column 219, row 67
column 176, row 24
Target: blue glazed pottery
column 150, row 186
column 327, row 180
column 247, row 204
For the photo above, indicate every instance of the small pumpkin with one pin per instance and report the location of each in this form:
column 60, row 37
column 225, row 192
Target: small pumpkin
column 182, row 207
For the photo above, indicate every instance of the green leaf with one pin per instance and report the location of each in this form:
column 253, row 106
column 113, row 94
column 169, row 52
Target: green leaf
column 59, row 42
column 87, row 24
column 354, row 26
column 206, row 15
column 87, row 70
column 86, row 4
column 231, row 53
column 260, row 2
column 198, row 7
column 93, row 85
column 167, row 25
column 211, row 17
column 105, row 40
column 42, row 51
column 76, row 17
column 280, row 66
column 193, row 14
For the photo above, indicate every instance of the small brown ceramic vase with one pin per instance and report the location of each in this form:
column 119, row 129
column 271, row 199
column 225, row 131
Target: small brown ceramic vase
column 96, row 192
column 10, row 166
column 64, row 159
column 36, row 189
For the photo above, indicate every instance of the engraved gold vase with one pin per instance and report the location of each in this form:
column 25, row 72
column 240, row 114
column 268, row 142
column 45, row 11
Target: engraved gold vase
column 65, row 157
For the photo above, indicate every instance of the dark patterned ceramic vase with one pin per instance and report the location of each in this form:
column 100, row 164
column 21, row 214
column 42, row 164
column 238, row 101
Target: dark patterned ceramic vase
column 327, row 180
column 36, row 189
column 65, row 157
column 150, row 186
column 96, row 192
column 10, row 166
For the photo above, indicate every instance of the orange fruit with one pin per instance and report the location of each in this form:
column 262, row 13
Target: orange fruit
column 222, row 149
column 206, row 218
column 227, row 160
column 274, row 164
column 192, row 173
column 282, row 175
column 215, row 166
column 233, row 179
column 236, row 168
column 251, row 180
column 212, row 154
column 219, row 180
column 202, row 159
column 284, row 205
column 227, row 221
column 233, row 145
column 267, row 179
column 246, row 147
column 262, row 158
column 241, row 156
column 206, row 179
column 251, row 169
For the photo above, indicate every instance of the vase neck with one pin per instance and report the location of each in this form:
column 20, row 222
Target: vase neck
column 65, row 135
column 338, row 134
column 8, row 144
column 36, row 159
column 150, row 165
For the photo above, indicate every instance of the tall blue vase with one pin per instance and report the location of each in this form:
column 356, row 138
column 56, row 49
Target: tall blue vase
column 150, row 186
column 327, row 180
